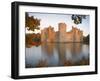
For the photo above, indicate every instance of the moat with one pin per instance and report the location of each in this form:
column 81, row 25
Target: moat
column 57, row 54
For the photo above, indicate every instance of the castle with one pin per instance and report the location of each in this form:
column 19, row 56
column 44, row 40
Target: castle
column 49, row 35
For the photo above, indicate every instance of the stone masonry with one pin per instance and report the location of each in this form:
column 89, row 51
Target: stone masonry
column 49, row 35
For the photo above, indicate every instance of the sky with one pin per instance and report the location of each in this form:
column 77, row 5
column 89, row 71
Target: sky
column 52, row 19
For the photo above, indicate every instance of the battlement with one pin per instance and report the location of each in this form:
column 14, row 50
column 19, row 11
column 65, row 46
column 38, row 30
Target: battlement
column 49, row 35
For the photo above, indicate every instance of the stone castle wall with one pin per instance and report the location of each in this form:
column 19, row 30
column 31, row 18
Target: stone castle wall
column 49, row 35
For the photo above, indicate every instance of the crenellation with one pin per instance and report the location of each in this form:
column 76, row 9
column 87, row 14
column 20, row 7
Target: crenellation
column 49, row 35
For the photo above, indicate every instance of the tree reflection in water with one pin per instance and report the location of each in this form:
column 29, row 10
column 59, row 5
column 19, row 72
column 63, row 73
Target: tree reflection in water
column 57, row 54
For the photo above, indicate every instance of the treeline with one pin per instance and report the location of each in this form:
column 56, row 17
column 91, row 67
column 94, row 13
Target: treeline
column 33, row 39
column 86, row 39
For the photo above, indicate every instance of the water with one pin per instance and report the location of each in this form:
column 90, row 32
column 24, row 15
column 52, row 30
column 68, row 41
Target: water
column 57, row 54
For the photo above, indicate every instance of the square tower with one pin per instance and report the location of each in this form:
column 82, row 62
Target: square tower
column 62, row 32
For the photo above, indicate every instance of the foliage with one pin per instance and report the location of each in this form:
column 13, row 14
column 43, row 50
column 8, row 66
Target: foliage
column 31, row 23
column 36, row 39
column 78, row 18
column 32, row 38
column 28, row 38
column 86, row 39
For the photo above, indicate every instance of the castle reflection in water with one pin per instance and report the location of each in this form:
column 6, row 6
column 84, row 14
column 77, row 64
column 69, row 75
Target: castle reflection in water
column 57, row 54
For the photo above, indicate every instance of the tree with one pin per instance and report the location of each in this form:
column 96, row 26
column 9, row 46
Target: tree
column 78, row 18
column 31, row 23
column 86, row 39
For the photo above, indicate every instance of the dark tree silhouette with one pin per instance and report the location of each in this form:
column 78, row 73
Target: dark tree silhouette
column 78, row 18
column 86, row 39
column 31, row 23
